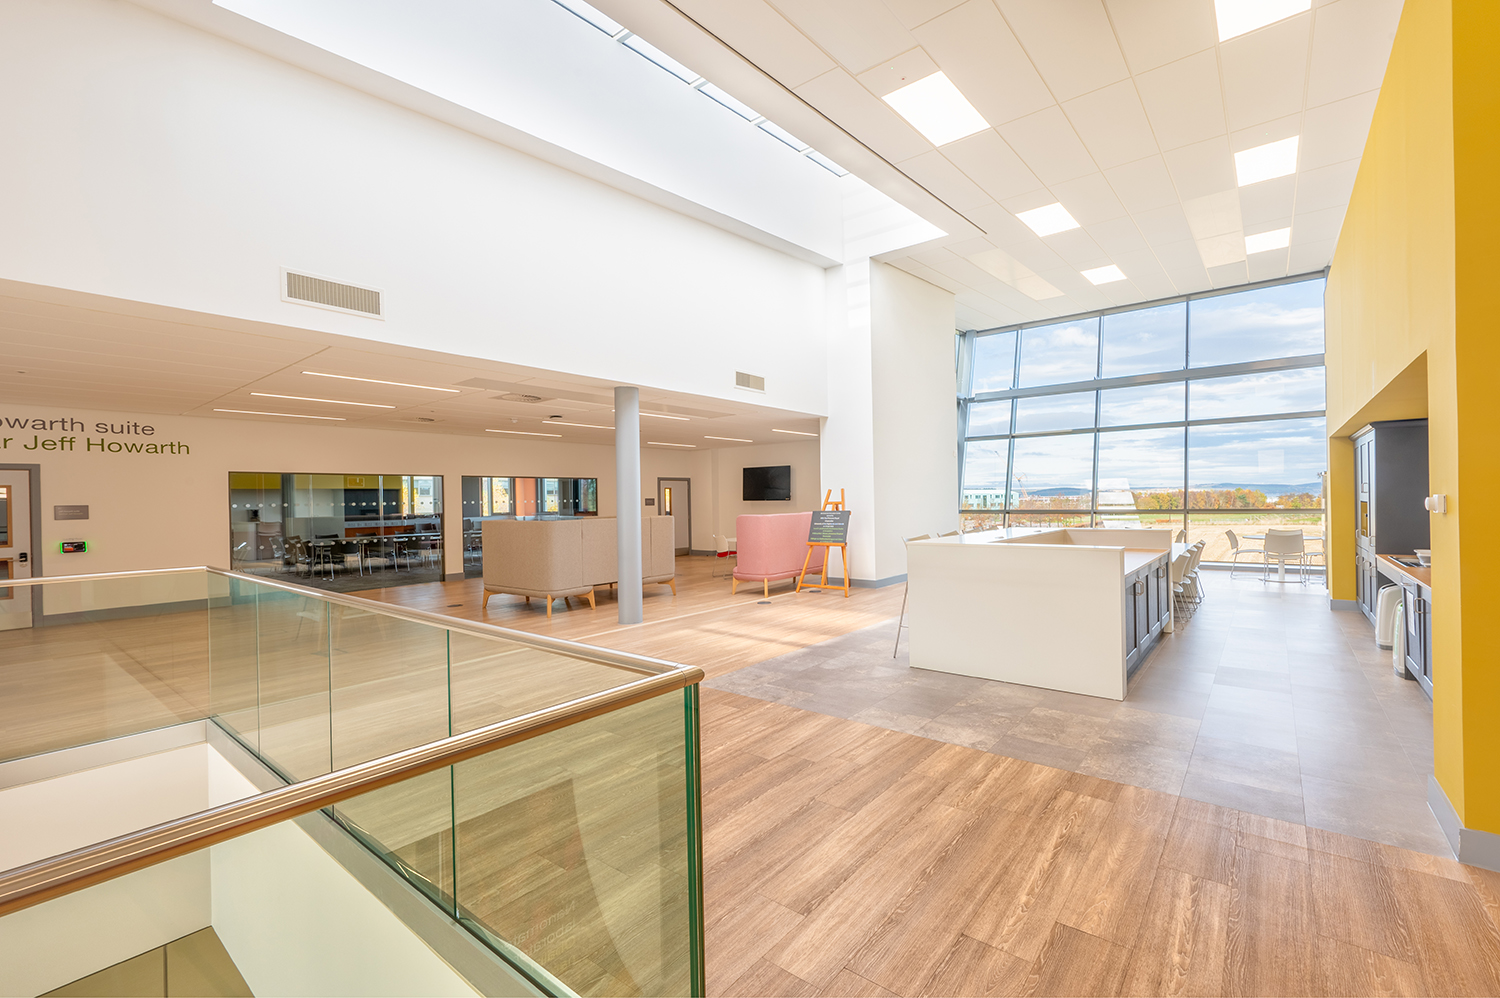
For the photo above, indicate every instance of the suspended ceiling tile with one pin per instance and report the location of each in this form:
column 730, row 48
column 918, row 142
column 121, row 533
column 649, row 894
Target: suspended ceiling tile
column 1089, row 199
column 916, row 12
column 1184, row 101
column 1070, row 42
column 1047, row 144
column 981, row 56
column 1143, row 185
column 1164, row 225
column 856, row 33
column 1155, row 32
column 1350, row 48
column 1222, row 250
column 1318, row 226
column 1112, row 124
column 1028, row 201
column 1190, row 279
column 1336, row 132
column 1266, row 266
column 893, row 74
column 1267, row 131
column 1325, row 187
column 1178, row 257
column 840, row 96
column 1202, row 168
column 1307, row 257
column 1078, row 248
column 1265, row 72
column 933, row 171
column 1119, row 238
column 1266, row 202
column 987, row 160
column 1121, row 292
column 763, row 36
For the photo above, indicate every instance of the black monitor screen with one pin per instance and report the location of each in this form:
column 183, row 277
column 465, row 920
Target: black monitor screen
column 767, row 484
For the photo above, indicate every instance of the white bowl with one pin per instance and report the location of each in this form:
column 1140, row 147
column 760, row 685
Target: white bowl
column 1424, row 557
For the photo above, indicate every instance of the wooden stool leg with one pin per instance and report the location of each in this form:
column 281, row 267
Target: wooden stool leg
column 673, row 583
column 486, row 604
column 591, row 600
column 734, row 586
column 767, row 583
column 549, row 607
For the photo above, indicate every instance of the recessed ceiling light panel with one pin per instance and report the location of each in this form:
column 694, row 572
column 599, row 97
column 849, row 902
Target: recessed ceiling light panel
column 1104, row 275
column 937, row 109
column 735, row 440
column 1274, row 240
column 1267, row 162
column 292, row 415
column 301, row 398
column 800, row 433
column 1046, row 220
column 377, row 381
column 1236, row 17
column 661, row 443
column 525, row 433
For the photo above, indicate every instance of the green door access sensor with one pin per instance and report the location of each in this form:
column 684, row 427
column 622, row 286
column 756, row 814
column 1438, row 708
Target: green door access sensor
column 74, row 547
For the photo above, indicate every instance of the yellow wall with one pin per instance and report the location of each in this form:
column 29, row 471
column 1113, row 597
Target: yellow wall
column 1410, row 333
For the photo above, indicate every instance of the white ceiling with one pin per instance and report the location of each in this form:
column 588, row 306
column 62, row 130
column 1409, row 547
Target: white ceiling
column 1128, row 112
column 74, row 351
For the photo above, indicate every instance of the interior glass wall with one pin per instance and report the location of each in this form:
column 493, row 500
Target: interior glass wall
column 340, row 532
column 488, row 498
column 1204, row 414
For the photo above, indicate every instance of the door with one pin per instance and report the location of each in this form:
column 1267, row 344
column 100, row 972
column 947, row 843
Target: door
column 672, row 500
column 15, row 548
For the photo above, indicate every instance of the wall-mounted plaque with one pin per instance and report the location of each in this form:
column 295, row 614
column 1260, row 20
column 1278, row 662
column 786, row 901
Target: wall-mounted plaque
column 70, row 512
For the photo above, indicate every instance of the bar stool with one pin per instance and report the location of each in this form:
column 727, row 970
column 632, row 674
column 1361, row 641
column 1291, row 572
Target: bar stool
column 901, row 620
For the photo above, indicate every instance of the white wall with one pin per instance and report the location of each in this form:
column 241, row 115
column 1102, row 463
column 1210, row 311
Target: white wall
column 171, row 510
column 141, row 185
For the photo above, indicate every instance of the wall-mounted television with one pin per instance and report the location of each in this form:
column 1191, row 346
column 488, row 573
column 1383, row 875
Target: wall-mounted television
column 773, row 484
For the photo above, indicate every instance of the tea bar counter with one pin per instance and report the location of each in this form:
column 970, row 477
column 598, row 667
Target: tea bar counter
column 1072, row 609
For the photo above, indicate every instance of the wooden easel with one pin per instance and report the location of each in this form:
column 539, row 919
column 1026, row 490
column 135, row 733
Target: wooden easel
column 829, row 503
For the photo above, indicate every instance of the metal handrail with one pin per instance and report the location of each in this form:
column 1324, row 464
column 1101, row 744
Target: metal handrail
column 34, row 883
column 608, row 656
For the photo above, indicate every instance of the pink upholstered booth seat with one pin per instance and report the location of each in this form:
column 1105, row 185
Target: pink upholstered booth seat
column 772, row 547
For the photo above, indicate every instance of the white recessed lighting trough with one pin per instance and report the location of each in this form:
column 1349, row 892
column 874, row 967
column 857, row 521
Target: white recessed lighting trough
column 1236, row 17
column 1267, row 162
column 735, row 440
column 662, row 443
column 525, row 433
column 937, row 109
column 377, row 381
column 1046, row 220
column 1262, row 241
column 303, row 398
column 586, row 426
column 1104, row 275
column 290, row 415
column 800, row 433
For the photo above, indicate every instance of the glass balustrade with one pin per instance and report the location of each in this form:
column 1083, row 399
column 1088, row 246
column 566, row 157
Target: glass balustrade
column 574, row 855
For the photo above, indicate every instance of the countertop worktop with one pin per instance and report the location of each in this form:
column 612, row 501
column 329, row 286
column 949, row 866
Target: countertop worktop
column 1397, row 571
column 1141, row 557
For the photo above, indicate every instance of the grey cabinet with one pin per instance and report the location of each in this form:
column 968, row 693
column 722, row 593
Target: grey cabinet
column 1390, row 477
column 1148, row 605
column 1416, row 613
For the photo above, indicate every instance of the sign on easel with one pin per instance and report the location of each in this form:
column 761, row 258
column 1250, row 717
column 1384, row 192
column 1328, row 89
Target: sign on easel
column 829, row 530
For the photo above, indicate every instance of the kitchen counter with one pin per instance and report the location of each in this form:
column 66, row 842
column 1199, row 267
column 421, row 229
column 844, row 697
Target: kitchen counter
column 1398, row 573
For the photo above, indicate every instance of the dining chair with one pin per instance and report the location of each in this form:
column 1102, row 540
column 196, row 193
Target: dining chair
column 901, row 620
column 1282, row 545
column 1178, row 578
column 1182, row 536
column 1192, row 578
column 1236, row 549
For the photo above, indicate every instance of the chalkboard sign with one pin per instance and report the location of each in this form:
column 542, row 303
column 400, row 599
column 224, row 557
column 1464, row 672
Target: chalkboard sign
column 829, row 526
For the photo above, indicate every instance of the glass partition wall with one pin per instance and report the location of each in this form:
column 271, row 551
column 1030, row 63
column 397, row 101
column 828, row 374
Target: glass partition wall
column 486, row 498
column 339, row 532
column 1204, row 413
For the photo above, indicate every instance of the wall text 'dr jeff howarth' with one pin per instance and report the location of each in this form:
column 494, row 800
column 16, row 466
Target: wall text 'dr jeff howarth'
column 101, row 445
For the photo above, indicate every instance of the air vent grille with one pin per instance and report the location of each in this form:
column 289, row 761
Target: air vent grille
column 519, row 397
column 316, row 291
column 754, row 382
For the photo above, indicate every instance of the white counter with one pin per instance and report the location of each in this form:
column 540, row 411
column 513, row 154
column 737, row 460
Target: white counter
column 1071, row 609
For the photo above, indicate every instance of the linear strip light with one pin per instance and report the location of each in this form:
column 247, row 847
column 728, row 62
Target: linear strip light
column 303, row 398
column 662, row 443
column 293, row 415
column 586, row 426
column 800, row 433
column 377, row 381
column 525, row 433
column 659, row 415
column 737, row 440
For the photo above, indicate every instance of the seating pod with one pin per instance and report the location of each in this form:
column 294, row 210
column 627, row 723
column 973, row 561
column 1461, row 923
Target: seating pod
column 772, row 547
column 570, row 557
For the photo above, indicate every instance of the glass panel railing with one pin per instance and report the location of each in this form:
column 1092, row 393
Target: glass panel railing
column 106, row 657
column 573, row 853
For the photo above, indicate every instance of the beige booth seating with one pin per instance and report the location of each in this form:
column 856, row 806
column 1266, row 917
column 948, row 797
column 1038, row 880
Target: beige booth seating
column 559, row 558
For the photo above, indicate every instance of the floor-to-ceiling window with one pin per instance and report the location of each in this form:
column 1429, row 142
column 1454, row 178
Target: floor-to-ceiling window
column 1204, row 413
column 488, row 498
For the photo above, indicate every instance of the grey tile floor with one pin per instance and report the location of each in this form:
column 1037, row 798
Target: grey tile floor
column 1265, row 700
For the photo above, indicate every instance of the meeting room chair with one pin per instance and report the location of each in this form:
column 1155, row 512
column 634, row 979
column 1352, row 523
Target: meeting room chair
column 1192, row 578
column 1180, row 603
column 1182, row 536
column 901, row 620
column 1283, row 544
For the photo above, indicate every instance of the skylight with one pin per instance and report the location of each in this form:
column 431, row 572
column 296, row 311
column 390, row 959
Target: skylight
column 1236, row 17
column 1104, row 275
column 1267, row 162
column 640, row 46
column 1262, row 241
column 937, row 109
column 1046, row 220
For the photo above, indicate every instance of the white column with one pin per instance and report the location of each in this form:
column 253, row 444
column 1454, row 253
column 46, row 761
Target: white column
column 628, row 501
